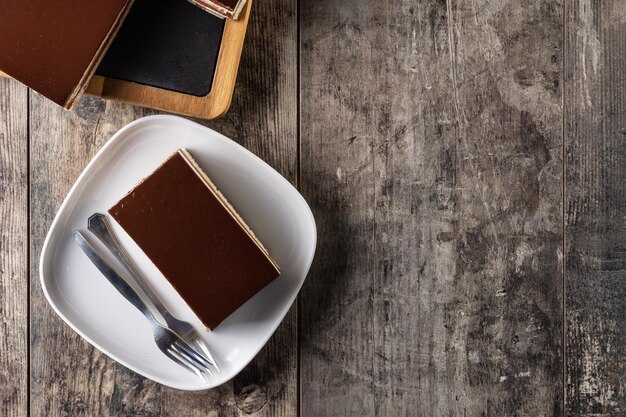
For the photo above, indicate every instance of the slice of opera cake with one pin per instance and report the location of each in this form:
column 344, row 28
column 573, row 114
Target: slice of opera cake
column 196, row 239
column 54, row 46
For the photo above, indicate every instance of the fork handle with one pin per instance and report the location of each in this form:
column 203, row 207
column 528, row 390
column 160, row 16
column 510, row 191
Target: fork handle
column 99, row 226
column 113, row 277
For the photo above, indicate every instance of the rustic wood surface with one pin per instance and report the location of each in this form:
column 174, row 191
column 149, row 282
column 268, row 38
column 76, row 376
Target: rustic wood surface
column 465, row 163
column 595, row 208
column 431, row 152
column 13, row 249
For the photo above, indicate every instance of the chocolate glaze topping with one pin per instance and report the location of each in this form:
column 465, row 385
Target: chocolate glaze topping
column 194, row 240
column 51, row 45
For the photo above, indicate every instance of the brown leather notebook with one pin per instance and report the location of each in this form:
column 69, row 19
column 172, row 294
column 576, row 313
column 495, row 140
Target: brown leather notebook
column 54, row 46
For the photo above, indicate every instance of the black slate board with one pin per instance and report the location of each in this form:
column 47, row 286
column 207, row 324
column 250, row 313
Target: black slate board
column 169, row 44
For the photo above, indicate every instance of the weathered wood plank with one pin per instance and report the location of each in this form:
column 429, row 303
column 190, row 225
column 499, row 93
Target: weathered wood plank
column 338, row 182
column 595, row 252
column 71, row 378
column 13, row 249
column 431, row 141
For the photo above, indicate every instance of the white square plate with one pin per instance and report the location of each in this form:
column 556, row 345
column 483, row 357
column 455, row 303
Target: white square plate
column 86, row 301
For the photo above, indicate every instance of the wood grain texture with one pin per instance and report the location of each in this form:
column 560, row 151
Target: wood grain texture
column 431, row 141
column 13, row 249
column 432, row 155
column 69, row 377
column 595, row 167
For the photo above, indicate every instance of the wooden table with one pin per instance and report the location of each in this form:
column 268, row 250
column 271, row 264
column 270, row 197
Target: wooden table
column 465, row 161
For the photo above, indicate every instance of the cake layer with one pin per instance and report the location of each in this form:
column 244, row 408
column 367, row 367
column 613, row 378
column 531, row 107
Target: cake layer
column 196, row 239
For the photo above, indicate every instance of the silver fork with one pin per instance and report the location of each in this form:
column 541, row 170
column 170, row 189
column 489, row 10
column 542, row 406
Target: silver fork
column 167, row 341
column 99, row 226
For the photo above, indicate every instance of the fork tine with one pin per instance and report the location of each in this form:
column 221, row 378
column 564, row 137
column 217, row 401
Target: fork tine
column 184, row 353
column 180, row 361
column 184, row 346
column 203, row 347
column 176, row 357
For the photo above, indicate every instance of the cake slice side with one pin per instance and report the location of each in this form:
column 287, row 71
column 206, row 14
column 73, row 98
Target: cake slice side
column 80, row 88
column 193, row 165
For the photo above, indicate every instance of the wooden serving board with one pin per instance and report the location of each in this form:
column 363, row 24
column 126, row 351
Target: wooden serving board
column 210, row 106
